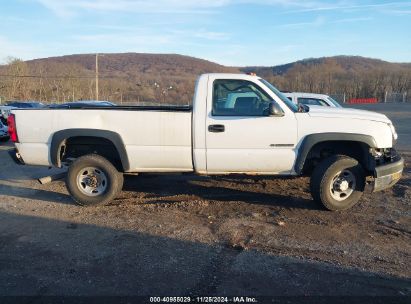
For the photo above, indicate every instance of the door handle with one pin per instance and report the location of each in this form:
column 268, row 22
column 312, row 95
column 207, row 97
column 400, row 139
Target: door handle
column 216, row 128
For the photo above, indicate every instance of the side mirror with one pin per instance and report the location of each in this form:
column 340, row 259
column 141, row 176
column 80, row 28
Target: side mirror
column 275, row 110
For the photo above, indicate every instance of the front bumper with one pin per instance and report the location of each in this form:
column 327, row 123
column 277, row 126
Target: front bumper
column 388, row 174
column 15, row 155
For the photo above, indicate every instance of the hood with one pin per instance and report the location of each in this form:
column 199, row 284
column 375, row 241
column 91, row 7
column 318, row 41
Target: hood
column 321, row 111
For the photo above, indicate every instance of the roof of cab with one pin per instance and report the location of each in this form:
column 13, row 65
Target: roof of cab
column 229, row 76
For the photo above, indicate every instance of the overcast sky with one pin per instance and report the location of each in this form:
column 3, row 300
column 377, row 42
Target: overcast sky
column 230, row 32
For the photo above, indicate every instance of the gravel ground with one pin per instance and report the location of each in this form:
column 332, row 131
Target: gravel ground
column 191, row 235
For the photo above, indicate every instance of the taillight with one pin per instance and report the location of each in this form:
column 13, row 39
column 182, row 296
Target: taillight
column 11, row 122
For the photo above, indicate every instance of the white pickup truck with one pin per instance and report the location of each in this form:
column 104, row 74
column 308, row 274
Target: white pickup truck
column 238, row 124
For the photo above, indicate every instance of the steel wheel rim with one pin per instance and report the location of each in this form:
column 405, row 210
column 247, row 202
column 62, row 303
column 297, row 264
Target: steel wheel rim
column 92, row 181
column 342, row 185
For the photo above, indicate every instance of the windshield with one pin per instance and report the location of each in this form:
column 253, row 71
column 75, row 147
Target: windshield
column 280, row 95
column 334, row 102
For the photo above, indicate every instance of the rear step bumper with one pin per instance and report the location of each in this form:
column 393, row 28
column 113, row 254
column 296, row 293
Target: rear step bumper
column 15, row 155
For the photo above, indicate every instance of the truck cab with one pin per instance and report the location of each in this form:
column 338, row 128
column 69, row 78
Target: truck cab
column 239, row 135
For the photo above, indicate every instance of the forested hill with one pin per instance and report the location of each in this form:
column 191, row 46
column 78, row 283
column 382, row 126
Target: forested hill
column 347, row 63
column 127, row 77
column 350, row 75
column 139, row 64
column 170, row 78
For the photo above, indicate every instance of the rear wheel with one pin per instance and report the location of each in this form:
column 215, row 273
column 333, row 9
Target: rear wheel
column 338, row 182
column 93, row 180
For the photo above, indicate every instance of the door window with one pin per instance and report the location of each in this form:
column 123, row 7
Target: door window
column 239, row 98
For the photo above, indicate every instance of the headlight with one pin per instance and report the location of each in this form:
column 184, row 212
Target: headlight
column 394, row 133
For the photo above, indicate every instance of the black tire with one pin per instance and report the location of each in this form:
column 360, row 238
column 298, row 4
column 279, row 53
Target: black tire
column 323, row 181
column 113, row 180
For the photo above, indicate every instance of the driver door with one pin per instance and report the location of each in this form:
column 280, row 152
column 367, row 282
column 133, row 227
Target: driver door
column 241, row 137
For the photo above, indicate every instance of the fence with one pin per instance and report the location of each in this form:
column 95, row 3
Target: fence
column 391, row 97
column 363, row 100
column 338, row 97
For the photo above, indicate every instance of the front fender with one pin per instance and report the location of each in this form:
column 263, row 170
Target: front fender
column 311, row 140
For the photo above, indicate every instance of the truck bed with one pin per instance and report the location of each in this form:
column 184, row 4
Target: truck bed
column 156, row 138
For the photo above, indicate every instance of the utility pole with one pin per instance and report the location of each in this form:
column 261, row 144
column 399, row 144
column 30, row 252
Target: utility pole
column 97, row 76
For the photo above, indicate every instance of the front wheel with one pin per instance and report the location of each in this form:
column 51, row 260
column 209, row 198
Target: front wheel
column 93, row 180
column 338, row 182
